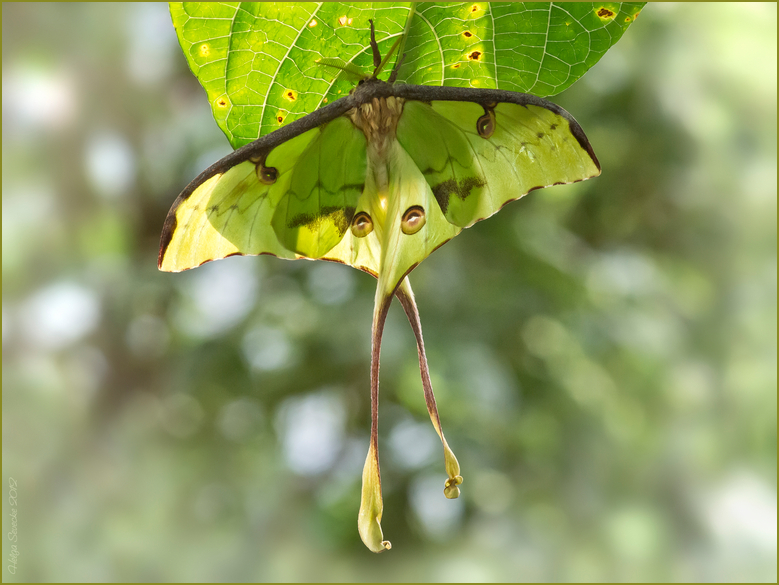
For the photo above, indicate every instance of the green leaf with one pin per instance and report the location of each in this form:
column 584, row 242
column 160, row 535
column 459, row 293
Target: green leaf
column 257, row 61
column 531, row 47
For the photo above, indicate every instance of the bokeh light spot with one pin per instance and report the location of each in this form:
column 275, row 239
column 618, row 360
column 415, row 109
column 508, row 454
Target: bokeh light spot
column 60, row 314
column 312, row 430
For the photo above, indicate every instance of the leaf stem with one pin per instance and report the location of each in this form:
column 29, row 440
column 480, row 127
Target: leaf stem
column 406, row 30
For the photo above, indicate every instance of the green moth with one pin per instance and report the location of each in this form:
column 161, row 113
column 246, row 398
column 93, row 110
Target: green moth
column 378, row 180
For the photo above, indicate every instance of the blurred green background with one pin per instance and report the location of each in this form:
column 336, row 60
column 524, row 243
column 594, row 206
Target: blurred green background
column 604, row 354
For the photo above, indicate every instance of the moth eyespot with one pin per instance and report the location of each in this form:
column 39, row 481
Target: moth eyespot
column 267, row 175
column 362, row 225
column 485, row 125
column 413, row 220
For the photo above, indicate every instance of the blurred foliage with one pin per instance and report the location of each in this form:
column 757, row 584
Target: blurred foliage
column 258, row 61
column 604, row 354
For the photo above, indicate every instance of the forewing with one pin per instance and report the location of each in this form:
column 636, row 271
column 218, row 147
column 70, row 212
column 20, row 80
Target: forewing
column 293, row 200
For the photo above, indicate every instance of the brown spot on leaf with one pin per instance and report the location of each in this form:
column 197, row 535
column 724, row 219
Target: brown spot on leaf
column 605, row 13
column 475, row 56
column 467, row 34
